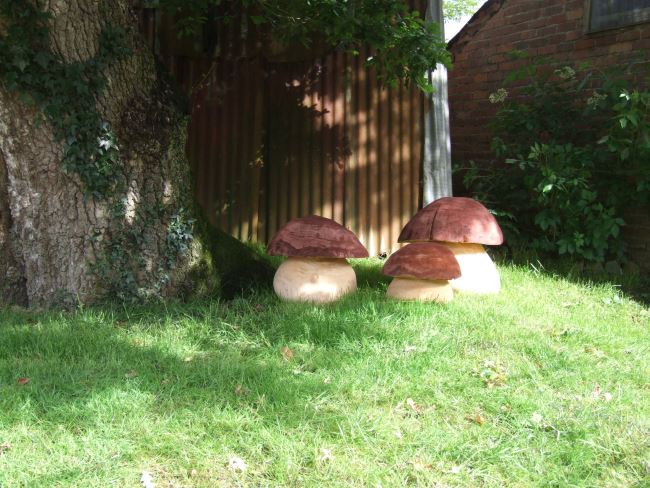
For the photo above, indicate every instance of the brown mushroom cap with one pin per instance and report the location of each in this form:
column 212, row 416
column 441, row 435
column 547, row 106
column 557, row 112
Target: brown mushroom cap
column 424, row 260
column 453, row 219
column 316, row 237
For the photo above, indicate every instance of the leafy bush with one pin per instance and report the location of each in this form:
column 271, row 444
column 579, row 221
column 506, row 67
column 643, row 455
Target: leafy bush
column 573, row 151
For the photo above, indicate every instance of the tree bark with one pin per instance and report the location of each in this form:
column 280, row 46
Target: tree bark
column 58, row 245
column 12, row 272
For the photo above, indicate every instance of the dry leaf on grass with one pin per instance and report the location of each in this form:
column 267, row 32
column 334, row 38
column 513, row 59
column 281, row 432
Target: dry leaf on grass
column 598, row 394
column 477, row 419
column 414, row 406
column 410, row 407
column 596, row 352
column 287, row 354
column 419, row 465
column 23, row 381
column 325, row 455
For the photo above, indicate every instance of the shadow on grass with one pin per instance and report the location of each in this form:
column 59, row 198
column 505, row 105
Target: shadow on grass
column 75, row 360
column 73, row 368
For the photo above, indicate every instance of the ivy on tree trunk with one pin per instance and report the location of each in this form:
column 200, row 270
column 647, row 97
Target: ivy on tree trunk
column 97, row 198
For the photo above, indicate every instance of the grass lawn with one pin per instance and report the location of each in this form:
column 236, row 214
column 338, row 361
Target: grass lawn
column 546, row 384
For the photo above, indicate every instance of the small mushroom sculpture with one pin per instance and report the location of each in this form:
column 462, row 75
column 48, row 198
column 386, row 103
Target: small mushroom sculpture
column 464, row 226
column 316, row 269
column 422, row 272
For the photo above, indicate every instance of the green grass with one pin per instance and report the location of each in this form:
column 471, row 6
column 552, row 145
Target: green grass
column 546, row 384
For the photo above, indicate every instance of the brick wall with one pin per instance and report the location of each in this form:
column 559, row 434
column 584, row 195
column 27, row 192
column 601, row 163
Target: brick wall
column 554, row 29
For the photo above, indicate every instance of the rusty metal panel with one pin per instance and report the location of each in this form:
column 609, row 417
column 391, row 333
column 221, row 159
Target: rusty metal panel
column 273, row 141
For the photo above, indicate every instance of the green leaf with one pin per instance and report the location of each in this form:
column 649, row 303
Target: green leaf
column 21, row 63
column 42, row 58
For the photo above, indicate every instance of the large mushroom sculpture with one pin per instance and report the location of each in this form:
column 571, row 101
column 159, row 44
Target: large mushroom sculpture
column 316, row 269
column 464, row 226
column 422, row 271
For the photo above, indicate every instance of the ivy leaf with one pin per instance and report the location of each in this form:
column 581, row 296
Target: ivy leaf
column 42, row 58
column 21, row 63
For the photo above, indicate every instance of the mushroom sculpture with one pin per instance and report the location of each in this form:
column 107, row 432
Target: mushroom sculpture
column 316, row 269
column 421, row 271
column 464, row 226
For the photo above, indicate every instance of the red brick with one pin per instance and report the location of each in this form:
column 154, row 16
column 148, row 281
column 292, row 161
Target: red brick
column 621, row 47
column 546, row 50
column 572, row 35
column 605, row 40
column 546, row 31
column 522, row 17
column 574, row 14
column 566, row 46
column 585, row 44
column 556, row 19
column 553, row 10
column 629, row 35
column 575, row 4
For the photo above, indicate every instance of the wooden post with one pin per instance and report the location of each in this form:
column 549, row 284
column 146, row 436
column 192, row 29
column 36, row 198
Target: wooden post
column 437, row 145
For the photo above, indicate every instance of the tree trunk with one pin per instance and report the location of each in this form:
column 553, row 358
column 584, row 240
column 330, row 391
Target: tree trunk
column 59, row 245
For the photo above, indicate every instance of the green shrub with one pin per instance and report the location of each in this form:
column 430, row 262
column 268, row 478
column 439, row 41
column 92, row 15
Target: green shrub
column 572, row 152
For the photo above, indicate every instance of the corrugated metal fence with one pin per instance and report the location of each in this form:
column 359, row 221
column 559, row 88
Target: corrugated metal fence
column 271, row 141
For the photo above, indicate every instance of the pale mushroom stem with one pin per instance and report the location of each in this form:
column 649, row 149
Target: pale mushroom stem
column 403, row 288
column 478, row 272
column 318, row 280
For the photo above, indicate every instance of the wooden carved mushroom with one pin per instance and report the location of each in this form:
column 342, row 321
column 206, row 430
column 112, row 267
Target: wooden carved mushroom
column 316, row 269
column 464, row 226
column 421, row 272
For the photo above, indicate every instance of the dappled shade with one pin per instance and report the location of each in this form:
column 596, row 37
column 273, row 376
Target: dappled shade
column 453, row 219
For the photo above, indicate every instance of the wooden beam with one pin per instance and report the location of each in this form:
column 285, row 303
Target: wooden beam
column 436, row 162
